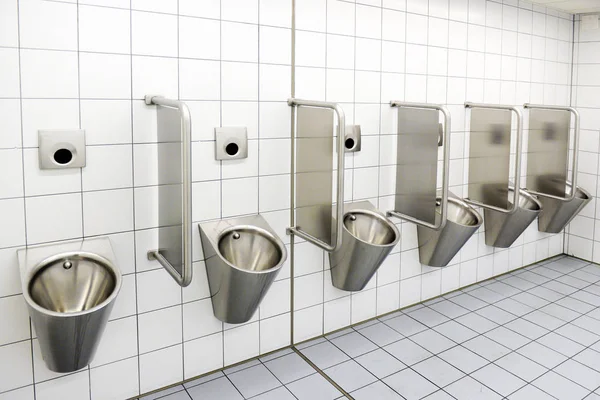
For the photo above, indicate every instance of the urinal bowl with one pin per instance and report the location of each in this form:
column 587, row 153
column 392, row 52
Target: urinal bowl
column 367, row 239
column 502, row 229
column 243, row 258
column 69, row 297
column 556, row 214
column 438, row 247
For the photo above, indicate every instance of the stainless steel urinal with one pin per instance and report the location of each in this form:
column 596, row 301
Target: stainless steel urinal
column 437, row 248
column 243, row 258
column 367, row 239
column 556, row 214
column 70, row 296
column 502, row 229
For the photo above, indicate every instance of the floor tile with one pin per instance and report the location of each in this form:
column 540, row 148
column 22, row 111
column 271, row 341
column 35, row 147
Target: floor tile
column 253, row 381
column 496, row 314
column 560, row 312
column 240, row 367
column 580, row 374
column 405, row 325
column 381, row 334
column 311, row 343
column 313, row 387
column 526, row 328
column 592, row 269
column 350, row 375
column 587, row 297
column 476, row 322
column 449, row 309
column 281, row 393
column 469, row 302
column 428, row 317
column 487, row 295
column 380, row 363
column 587, row 323
column 410, row 385
column 219, row 389
column 439, row 395
column 486, row 348
column 455, row 331
column 407, row 351
column 594, row 313
column 521, row 366
column 468, row 388
column 544, row 320
column 502, row 288
column 533, row 278
column 573, row 281
column 585, row 276
column 346, row 331
column 514, row 307
column 542, row 355
column 507, row 338
column 545, row 293
column 289, row 368
column 559, row 287
column 575, row 305
column 590, row 358
column 530, row 300
column 578, row 334
column 559, row 387
column 438, row 371
column 183, row 395
column 561, row 344
column 530, row 392
column 519, row 283
column 594, row 289
column 377, row 390
column 593, row 396
column 354, row 344
column 463, row 359
column 498, row 379
column 432, row 341
column 325, row 355
column 547, row 272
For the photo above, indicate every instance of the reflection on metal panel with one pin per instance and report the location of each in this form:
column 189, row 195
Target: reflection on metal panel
column 489, row 156
column 170, row 190
column 417, row 161
column 314, row 172
column 548, row 151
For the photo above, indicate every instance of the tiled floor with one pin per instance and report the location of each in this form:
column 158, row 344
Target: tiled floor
column 533, row 334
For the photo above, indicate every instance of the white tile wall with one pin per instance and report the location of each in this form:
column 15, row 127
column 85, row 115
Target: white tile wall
column 230, row 61
column 583, row 234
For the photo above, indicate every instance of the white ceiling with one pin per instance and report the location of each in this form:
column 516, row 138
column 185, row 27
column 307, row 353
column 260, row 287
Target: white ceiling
column 571, row 6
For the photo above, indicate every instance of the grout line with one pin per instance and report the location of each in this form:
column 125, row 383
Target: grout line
column 323, row 374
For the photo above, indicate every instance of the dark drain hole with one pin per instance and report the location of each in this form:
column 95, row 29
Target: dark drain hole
column 232, row 149
column 63, row 156
column 349, row 143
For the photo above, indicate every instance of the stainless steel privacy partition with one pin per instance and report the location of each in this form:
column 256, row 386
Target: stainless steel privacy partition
column 547, row 165
column 416, row 171
column 489, row 145
column 312, row 173
column 444, row 223
column 175, row 188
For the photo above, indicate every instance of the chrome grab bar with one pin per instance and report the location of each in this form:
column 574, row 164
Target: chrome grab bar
column 294, row 230
column 445, row 168
column 572, row 110
column 517, row 177
column 185, row 278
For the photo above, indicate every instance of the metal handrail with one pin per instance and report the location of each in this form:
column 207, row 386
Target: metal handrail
column 517, row 177
column 445, row 170
column 576, row 128
column 294, row 230
column 185, row 278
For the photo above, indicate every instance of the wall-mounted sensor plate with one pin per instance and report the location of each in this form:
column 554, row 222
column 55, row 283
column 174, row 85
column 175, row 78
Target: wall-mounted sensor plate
column 231, row 143
column 352, row 142
column 59, row 149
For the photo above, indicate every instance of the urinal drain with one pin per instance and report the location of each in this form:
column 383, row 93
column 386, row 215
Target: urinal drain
column 67, row 265
column 236, row 235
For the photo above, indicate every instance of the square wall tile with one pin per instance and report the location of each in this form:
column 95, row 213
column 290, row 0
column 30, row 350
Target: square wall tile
column 49, row 74
column 48, row 25
column 159, row 329
column 203, row 355
column 119, row 380
column 9, row 73
column 241, row 343
column 93, row 35
column 107, row 211
column 161, row 368
column 51, row 218
column 105, row 76
column 9, row 21
column 143, row 43
column 70, row 387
